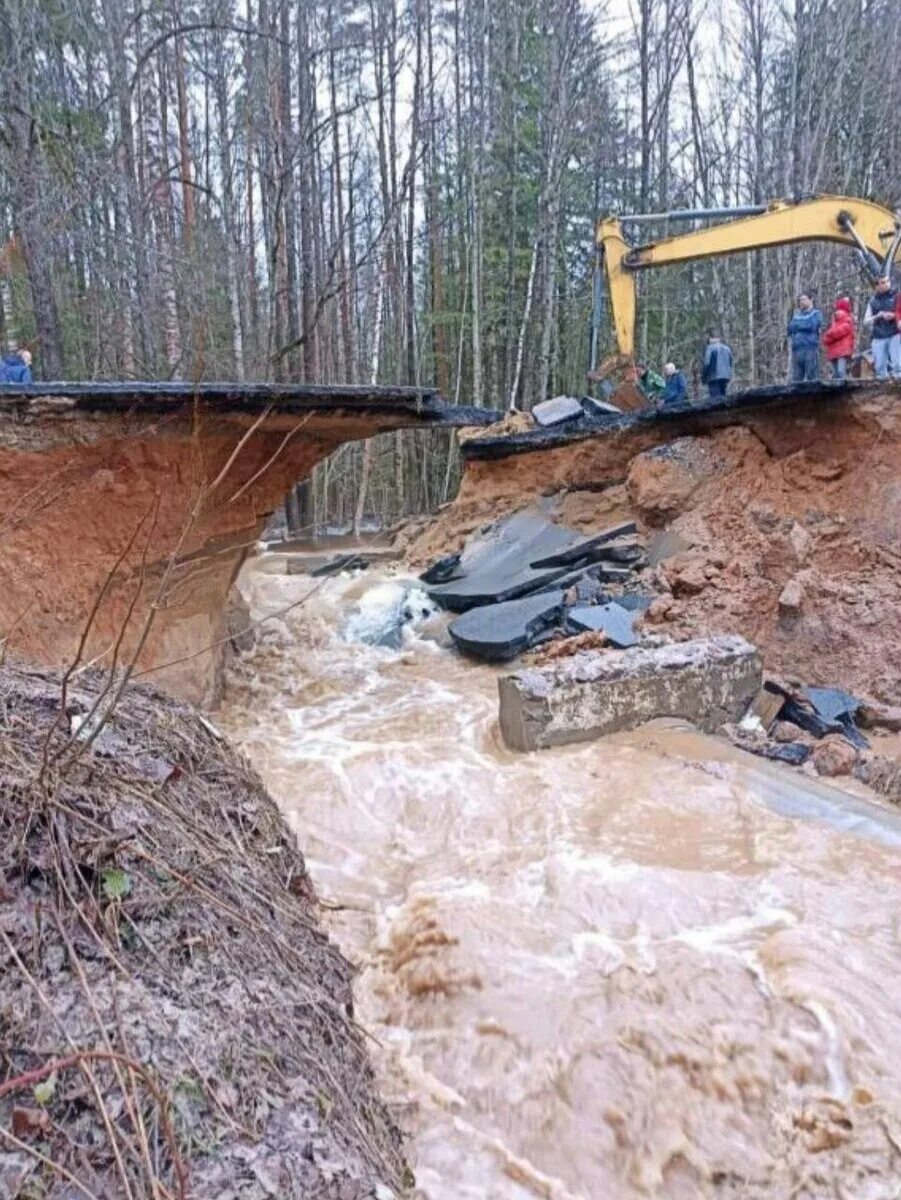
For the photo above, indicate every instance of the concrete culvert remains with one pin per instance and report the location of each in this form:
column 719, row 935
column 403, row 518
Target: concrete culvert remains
column 173, row 1022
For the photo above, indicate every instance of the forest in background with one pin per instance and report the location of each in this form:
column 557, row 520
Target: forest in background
column 405, row 190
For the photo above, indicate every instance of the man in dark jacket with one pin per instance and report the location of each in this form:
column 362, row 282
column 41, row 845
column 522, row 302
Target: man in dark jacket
column 16, row 367
column 882, row 321
column 804, row 331
column 676, row 389
column 717, row 369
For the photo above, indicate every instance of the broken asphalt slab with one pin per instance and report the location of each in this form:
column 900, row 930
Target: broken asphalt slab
column 610, row 619
column 585, row 548
column 443, row 570
column 498, row 632
column 496, row 566
column 341, row 562
column 821, row 711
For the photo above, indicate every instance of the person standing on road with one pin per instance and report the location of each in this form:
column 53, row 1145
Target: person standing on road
column 717, row 370
column 882, row 320
column 804, row 331
column 16, row 367
column 839, row 339
column 676, row 390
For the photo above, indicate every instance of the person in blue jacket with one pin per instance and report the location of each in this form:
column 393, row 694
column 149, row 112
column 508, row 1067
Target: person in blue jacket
column 676, row 389
column 804, row 331
column 16, row 367
column 718, row 366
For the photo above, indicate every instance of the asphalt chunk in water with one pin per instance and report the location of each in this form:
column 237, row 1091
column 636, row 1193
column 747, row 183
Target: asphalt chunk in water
column 498, row 632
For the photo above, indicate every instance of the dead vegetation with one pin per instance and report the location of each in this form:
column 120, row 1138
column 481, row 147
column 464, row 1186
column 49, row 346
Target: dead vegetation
column 173, row 1022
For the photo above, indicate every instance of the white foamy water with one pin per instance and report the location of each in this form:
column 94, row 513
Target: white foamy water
column 648, row 966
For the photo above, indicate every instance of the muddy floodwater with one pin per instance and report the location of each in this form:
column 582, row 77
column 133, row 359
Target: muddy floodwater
column 648, row 966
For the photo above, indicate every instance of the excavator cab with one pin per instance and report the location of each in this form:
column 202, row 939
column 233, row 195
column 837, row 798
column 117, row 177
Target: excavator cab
column 873, row 234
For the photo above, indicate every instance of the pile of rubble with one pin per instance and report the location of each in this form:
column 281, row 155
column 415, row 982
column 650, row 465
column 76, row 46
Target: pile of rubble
column 817, row 725
column 525, row 580
column 589, row 608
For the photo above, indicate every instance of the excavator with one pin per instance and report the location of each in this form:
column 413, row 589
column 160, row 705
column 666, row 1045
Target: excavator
column 873, row 234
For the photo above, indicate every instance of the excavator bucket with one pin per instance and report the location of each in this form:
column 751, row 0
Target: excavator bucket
column 618, row 379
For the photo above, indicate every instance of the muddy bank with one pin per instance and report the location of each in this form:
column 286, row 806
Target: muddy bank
column 174, row 1021
column 787, row 526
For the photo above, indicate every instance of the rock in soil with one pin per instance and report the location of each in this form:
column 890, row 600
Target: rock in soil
column 834, row 756
column 791, row 598
column 872, row 715
column 785, row 732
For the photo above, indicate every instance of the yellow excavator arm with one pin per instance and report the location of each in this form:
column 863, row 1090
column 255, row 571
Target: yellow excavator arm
column 873, row 231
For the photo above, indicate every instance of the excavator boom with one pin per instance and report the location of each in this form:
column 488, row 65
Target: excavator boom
column 874, row 232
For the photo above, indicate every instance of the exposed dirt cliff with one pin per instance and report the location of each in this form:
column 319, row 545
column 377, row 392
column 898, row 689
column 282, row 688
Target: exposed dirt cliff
column 786, row 524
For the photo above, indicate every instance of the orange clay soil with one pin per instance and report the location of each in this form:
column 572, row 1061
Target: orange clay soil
column 129, row 531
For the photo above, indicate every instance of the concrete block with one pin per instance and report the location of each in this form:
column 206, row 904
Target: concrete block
column 557, row 410
column 708, row 682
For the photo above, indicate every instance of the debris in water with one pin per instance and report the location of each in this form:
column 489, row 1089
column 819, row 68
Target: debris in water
column 443, row 570
column 341, row 562
column 767, row 706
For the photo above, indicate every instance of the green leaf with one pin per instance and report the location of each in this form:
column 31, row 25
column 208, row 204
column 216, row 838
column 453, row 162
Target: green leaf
column 45, row 1090
column 116, row 883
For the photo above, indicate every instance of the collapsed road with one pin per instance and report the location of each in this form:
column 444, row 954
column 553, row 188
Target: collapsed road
column 149, row 496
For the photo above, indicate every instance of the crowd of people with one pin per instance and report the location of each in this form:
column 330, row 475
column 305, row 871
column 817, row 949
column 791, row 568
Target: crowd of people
column 807, row 332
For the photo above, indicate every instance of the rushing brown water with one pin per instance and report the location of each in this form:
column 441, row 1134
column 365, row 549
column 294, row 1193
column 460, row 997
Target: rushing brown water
column 644, row 967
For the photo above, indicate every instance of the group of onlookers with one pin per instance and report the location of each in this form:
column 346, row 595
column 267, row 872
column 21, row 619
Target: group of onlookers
column 672, row 388
column 882, row 318
column 806, row 332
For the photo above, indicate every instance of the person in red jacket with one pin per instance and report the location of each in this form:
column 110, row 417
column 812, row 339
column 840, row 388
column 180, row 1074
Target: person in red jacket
column 839, row 339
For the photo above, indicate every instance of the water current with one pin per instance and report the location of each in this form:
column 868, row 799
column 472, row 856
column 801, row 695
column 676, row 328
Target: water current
column 645, row 967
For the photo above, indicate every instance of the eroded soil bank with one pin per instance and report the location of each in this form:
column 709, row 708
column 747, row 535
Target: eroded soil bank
column 123, row 522
column 173, row 1021
column 787, row 524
